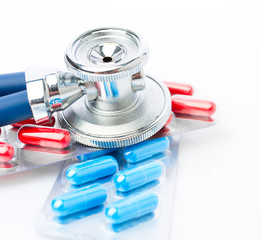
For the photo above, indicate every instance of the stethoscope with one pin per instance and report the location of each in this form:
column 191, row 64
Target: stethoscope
column 104, row 99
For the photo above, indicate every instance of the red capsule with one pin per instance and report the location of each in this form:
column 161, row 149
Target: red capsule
column 179, row 88
column 32, row 121
column 6, row 152
column 44, row 136
column 192, row 106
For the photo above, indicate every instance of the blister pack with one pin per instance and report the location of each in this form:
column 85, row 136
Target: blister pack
column 35, row 149
column 27, row 156
column 29, row 151
column 126, row 194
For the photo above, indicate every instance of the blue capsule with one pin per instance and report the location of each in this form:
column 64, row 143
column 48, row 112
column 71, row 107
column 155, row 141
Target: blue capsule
column 143, row 150
column 132, row 207
column 79, row 200
column 137, row 176
column 91, row 170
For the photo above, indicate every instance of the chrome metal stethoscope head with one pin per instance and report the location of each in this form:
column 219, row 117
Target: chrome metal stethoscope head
column 129, row 107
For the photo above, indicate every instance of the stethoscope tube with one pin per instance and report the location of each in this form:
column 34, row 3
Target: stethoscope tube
column 12, row 83
column 21, row 99
column 14, row 108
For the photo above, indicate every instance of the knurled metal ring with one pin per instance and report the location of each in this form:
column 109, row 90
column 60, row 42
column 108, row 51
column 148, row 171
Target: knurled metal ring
column 106, row 54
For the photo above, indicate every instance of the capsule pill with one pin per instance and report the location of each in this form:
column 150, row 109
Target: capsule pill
column 137, row 176
column 44, row 136
column 91, row 170
column 179, row 88
column 131, row 207
column 190, row 106
column 143, row 150
column 79, row 200
column 6, row 152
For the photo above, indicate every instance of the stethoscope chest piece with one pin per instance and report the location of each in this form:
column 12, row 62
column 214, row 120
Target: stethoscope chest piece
column 122, row 106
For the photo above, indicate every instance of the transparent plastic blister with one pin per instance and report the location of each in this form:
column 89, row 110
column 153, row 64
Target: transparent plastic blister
column 32, row 156
column 93, row 224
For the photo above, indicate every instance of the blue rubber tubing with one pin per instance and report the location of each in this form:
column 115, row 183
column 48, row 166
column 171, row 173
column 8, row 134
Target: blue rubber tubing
column 12, row 83
column 14, row 108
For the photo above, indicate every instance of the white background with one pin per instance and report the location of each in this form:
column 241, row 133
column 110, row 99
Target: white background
column 213, row 45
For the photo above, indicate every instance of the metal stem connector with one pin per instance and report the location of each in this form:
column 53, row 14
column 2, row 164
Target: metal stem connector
column 55, row 92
